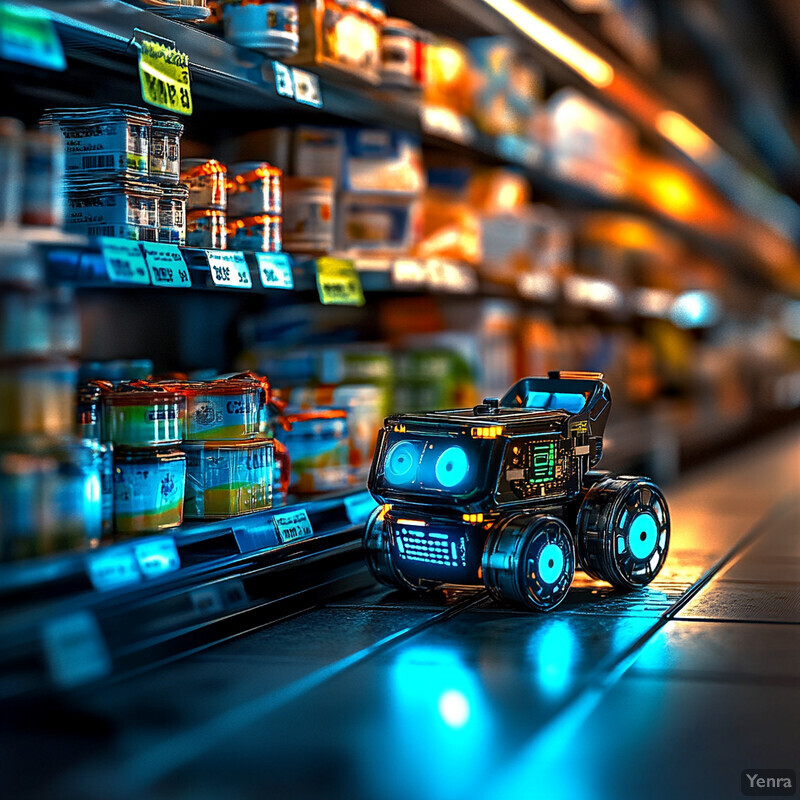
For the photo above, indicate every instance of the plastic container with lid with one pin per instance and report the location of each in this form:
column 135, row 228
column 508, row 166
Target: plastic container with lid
column 145, row 417
column 172, row 214
column 268, row 27
column 123, row 209
column 165, row 149
column 403, row 47
column 207, row 182
column 226, row 478
column 104, row 140
column 260, row 233
column 222, row 409
column 254, row 188
column 149, row 485
column 319, row 449
column 206, row 229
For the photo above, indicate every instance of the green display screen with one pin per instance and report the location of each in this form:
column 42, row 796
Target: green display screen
column 544, row 462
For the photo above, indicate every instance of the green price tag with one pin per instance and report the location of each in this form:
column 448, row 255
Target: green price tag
column 164, row 76
column 338, row 282
column 28, row 36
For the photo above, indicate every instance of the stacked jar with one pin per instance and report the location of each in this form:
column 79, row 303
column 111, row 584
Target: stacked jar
column 206, row 180
column 122, row 172
column 229, row 465
column 255, row 207
column 146, row 423
column 50, row 480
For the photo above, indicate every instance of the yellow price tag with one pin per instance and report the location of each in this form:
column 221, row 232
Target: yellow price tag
column 338, row 282
column 164, row 76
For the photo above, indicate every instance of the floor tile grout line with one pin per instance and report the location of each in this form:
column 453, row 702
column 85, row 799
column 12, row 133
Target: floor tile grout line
column 145, row 768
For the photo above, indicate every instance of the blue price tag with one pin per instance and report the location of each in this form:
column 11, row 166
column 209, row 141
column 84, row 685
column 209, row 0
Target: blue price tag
column 28, row 36
column 75, row 650
column 124, row 261
column 166, row 265
column 112, row 567
column 275, row 270
column 157, row 557
column 293, row 525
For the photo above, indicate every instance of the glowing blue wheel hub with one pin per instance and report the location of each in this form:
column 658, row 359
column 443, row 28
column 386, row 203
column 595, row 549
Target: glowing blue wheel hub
column 643, row 536
column 551, row 563
column 452, row 467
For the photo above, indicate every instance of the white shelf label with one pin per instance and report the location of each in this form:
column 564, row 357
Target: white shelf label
column 447, row 124
column 166, row 265
column 293, row 525
column 157, row 557
column 75, row 650
column 229, row 268
column 112, row 567
column 284, row 85
column 408, row 272
column 450, row 276
column 275, row 270
column 124, row 261
column 306, row 88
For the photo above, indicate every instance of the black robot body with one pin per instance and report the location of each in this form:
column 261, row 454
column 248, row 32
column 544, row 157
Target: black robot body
column 505, row 495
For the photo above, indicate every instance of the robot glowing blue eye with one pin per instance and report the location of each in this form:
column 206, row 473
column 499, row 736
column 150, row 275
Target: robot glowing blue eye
column 452, row 467
column 401, row 464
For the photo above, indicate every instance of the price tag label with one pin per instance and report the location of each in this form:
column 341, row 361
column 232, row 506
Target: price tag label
column 338, row 282
column 275, row 270
column 156, row 557
column 293, row 525
column 124, row 261
column 229, row 268
column 28, row 36
column 284, row 85
column 440, row 121
column 112, row 567
column 306, row 88
column 408, row 272
column 164, row 77
column 166, row 265
column 449, row 276
column 75, row 650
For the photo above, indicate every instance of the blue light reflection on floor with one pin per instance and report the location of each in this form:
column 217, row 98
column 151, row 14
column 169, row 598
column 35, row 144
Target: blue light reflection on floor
column 552, row 652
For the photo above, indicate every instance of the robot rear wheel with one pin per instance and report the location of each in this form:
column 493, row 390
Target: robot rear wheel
column 623, row 531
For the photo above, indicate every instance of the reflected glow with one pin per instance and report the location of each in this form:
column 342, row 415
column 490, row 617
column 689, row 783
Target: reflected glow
column 454, row 708
column 685, row 135
column 563, row 47
column 439, row 731
column 653, row 302
column 552, row 648
column 592, row 292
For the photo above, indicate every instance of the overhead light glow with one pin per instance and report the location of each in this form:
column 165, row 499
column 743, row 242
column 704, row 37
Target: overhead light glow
column 684, row 135
column 563, row 47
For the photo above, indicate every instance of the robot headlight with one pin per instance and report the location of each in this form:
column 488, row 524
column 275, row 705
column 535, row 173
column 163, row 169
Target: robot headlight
column 430, row 464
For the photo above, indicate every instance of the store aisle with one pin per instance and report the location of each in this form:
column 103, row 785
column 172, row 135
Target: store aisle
column 670, row 692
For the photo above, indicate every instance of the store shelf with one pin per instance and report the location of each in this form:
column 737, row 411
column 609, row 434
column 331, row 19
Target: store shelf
column 73, row 618
column 101, row 34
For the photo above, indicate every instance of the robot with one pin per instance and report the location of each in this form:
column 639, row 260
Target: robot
column 505, row 495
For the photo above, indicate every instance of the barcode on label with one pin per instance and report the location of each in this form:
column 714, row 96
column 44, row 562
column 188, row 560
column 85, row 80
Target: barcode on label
column 104, row 230
column 97, row 162
column 120, row 268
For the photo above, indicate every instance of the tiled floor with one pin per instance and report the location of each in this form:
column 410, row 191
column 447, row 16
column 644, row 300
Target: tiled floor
column 670, row 692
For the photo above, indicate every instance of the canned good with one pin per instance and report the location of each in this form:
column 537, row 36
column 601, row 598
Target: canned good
column 165, row 149
column 227, row 478
column 269, row 28
column 261, row 233
column 143, row 417
column 206, row 179
column 222, row 409
column 403, row 49
column 12, row 138
column 45, row 164
column 172, row 214
column 319, row 449
column 308, row 216
column 206, row 229
column 254, row 188
column 89, row 411
column 126, row 210
column 104, row 140
column 148, row 489
column 37, row 397
column 50, row 493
